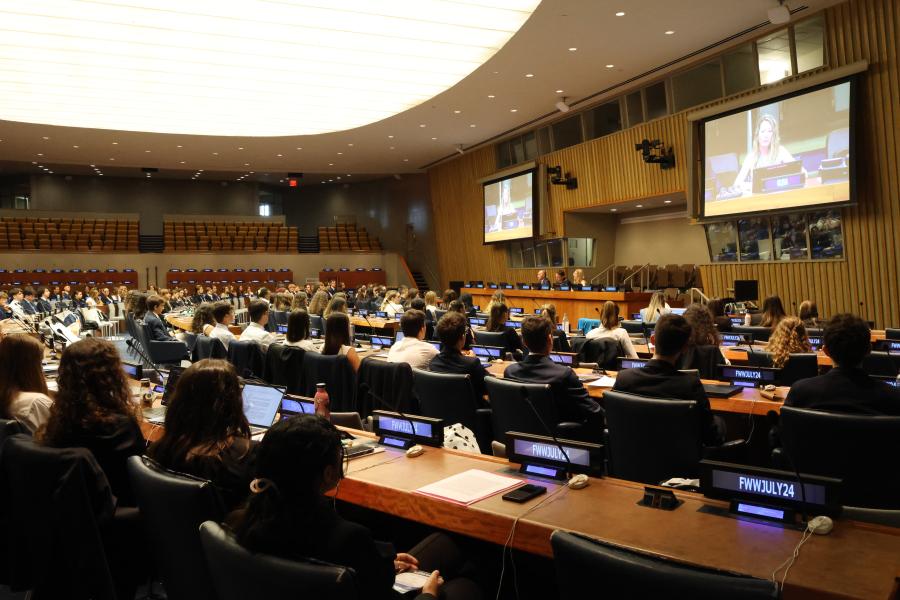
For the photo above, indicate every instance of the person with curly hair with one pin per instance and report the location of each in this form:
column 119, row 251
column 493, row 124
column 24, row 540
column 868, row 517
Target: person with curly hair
column 319, row 303
column 789, row 337
column 207, row 434
column 204, row 321
column 93, row 409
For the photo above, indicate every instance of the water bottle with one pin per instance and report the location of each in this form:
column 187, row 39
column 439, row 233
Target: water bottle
column 565, row 323
column 322, row 401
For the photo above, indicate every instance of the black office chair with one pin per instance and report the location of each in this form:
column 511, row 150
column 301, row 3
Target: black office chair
column 892, row 334
column 510, row 411
column 705, row 359
column 337, row 375
column 633, row 327
column 10, row 427
column 239, row 574
column 207, row 347
column 815, row 331
column 247, row 357
column 284, row 367
column 628, row 574
column 880, row 363
column 760, row 334
column 317, row 322
column 602, row 351
column 160, row 352
column 385, row 386
column 451, row 397
column 800, row 365
column 173, row 506
column 879, row 516
column 62, row 534
column 190, row 340
column 650, row 439
column 861, row 450
column 492, row 338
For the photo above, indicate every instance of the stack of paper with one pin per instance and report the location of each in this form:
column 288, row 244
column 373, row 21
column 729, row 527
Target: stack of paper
column 469, row 486
column 605, row 382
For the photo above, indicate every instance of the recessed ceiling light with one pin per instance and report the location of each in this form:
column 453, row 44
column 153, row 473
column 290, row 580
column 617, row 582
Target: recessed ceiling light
column 529, row 74
column 472, row 125
column 179, row 146
column 456, row 112
column 421, row 124
column 667, row 202
column 45, row 137
column 147, row 151
column 573, row 49
column 115, row 143
column 390, row 147
column 405, row 160
column 434, row 138
column 514, row 110
column 330, row 164
column 340, row 153
column 620, row 13
column 610, row 66
column 351, row 145
column 299, row 148
column 182, row 162
column 92, row 166
column 669, row 32
column 338, row 177
column 559, row 91
column 199, row 170
column 246, row 164
column 279, row 155
column 639, row 206
column 491, row 96
column 613, row 209
column 215, row 153
column 240, row 147
column 40, row 154
column 111, row 158
column 72, row 146
column 348, row 174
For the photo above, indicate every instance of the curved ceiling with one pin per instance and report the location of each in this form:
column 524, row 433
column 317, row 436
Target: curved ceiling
column 571, row 48
column 252, row 68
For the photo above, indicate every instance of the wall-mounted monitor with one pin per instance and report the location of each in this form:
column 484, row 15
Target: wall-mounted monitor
column 786, row 153
column 511, row 207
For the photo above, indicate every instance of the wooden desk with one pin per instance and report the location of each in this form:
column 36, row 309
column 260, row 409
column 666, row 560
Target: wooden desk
column 575, row 305
column 748, row 401
column 376, row 323
column 184, row 323
column 740, row 355
column 856, row 561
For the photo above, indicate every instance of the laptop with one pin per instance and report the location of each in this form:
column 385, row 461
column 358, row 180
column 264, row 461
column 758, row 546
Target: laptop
column 719, row 390
column 171, row 380
column 281, row 329
column 261, row 402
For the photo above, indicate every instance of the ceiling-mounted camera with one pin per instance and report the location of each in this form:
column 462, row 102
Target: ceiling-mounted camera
column 557, row 178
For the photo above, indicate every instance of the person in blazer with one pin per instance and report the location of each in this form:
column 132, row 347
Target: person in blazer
column 451, row 330
column 42, row 301
column 660, row 377
column 846, row 388
column 572, row 400
column 156, row 330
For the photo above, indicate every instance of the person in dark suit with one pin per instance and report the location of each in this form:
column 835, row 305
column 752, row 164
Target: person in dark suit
column 660, row 377
column 28, row 301
column 572, row 400
column 289, row 516
column 104, row 296
column 542, row 279
column 562, row 279
column 156, row 329
column 451, row 330
column 846, row 388
column 42, row 300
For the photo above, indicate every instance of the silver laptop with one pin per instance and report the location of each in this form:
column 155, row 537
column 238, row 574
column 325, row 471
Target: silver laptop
column 261, row 403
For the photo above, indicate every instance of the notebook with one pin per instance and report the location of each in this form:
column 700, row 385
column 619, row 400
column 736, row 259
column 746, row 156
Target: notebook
column 469, row 486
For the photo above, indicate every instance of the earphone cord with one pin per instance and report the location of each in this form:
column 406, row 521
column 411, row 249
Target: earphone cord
column 807, row 534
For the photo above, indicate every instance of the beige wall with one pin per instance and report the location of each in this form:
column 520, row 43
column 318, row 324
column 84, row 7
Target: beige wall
column 601, row 227
column 672, row 241
column 155, row 266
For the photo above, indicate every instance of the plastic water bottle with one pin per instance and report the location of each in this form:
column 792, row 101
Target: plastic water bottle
column 322, row 401
column 565, row 323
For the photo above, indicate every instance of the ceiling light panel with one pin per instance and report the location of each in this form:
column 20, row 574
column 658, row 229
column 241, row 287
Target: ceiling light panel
column 206, row 67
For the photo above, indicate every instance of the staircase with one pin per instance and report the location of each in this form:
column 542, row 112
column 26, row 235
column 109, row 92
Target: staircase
column 308, row 244
column 421, row 284
column 151, row 243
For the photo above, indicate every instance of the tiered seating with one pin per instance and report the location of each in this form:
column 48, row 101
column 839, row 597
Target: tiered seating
column 253, row 236
column 346, row 237
column 61, row 235
column 659, row 277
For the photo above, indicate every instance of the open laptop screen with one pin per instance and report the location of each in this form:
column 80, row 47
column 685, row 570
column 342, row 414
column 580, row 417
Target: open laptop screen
column 261, row 402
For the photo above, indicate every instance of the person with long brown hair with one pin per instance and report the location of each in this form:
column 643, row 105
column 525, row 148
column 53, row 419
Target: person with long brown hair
column 93, row 409
column 496, row 323
column 772, row 312
column 610, row 328
column 207, row 434
column 809, row 313
column 23, row 390
column 788, row 338
column 319, row 303
column 338, row 341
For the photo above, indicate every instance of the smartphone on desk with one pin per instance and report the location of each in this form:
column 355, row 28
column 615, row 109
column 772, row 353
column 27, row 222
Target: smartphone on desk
column 525, row 493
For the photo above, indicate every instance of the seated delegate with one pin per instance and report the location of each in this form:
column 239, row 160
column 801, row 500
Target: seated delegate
column 23, row 389
column 610, row 328
column 258, row 311
column 846, row 388
column 288, row 515
column 572, row 400
column 153, row 324
column 206, row 432
column 451, row 329
column 660, row 377
column 298, row 331
column 223, row 313
column 412, row 349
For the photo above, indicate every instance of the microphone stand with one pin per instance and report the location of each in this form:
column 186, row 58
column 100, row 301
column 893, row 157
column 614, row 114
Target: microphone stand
column 545, row 426
column 396, row 408
column 137, row 348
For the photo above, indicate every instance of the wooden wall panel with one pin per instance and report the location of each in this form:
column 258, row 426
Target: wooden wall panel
column 609, row 170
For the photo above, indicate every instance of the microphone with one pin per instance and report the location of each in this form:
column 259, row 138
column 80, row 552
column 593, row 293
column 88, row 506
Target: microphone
column 367, row 389
column 544, row 425
column 137, row 348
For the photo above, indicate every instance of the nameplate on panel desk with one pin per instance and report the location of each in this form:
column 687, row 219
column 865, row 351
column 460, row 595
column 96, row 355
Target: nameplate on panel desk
column 378, row 341
column 516, row 311
column 525, row 286
column 476, row 321
column 815, row 343
column 488, row 352
column 414, row 428
column 514, row 324
column 564, row 288
column 380, row 314
column 749, row 376
column 636, row 316
column 545, row 287
column 492, row 286
column 735, row 339
column 631, row 363
column 610, row 288
column 562, row 456
column 892, row 381
column 737, row 320
column 564, row 358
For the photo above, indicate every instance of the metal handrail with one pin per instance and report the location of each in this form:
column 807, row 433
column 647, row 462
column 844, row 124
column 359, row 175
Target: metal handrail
column 603, row 272
column 639, row 271
column 703, row 297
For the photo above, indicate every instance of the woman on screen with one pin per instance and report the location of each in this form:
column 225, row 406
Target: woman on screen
column 505, row 207
column 767, row 149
